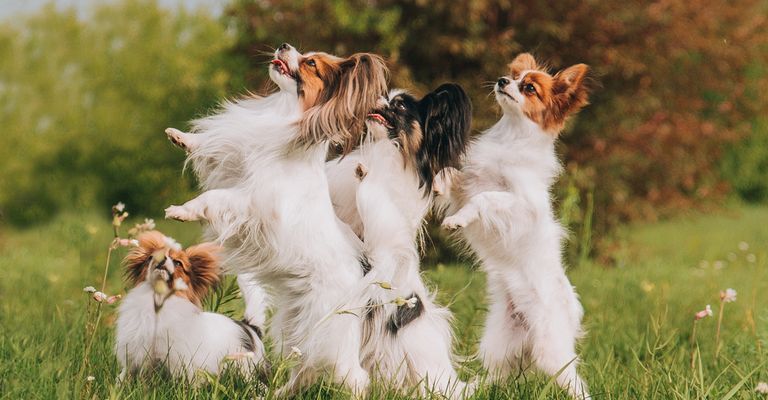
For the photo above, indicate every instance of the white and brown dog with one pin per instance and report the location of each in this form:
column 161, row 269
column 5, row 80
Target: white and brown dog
column 407, row 337
column 161, row 321
column 501, row 201
column 275, row 217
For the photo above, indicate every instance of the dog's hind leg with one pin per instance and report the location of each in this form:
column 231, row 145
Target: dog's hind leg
column 502, row 347
column 553, row 342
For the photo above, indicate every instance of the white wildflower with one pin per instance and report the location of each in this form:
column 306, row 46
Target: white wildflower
column 751, row 258
column 90, row 378
column 761, row 388
column 743, row 246
column 706, row 312
column 718, row 264
column 728, row 296
column 99, row 296
column 119, row 207
column 89, row 289
column 295, row 352
column 114, row 299
column 411, row 303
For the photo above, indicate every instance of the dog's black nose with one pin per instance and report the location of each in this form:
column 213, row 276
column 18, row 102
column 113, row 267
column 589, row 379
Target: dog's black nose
column 503, row 82
column 284, row 46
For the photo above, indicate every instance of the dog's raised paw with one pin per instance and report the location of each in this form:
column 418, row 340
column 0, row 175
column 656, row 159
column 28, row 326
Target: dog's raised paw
column 453, row 222
column 177, row 138
column 179, row 213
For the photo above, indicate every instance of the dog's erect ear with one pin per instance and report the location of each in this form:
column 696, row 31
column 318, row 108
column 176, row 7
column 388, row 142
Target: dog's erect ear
column 136, row 261
column 571, row 88
column 340, row 112
column 446, row 119
column 523, row 62
column 204, row 266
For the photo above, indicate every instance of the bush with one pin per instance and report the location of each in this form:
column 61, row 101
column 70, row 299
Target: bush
column 85, row 102
column 679, row 82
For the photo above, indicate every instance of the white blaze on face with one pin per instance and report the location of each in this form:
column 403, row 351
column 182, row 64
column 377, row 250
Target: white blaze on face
column 290, row 57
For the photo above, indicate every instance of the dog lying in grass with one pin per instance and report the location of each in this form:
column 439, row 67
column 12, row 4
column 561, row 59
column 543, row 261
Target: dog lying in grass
column 161, row 321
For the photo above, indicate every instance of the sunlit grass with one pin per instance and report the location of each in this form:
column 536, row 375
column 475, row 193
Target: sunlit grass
column 639, row 316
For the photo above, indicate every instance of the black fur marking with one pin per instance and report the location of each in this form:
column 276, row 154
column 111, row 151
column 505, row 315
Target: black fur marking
column 365, row 264
column 405, row 315
column 446, row 119
column 247, row 339
column 371, row 309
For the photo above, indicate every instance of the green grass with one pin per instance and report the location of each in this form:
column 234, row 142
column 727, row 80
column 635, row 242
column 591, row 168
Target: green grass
column 638, row 315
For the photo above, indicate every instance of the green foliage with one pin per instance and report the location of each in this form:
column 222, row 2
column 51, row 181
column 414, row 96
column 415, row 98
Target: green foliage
column 745, row 165
column 678, row 82
column 85, row 104
column 638, row 319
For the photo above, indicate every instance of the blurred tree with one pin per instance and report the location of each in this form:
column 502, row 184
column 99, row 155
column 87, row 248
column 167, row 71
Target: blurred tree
column 85, row 103
column 678, row 80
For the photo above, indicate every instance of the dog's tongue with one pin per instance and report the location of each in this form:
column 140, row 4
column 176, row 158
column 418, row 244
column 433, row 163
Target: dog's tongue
column 281, row 64
column 378, row 117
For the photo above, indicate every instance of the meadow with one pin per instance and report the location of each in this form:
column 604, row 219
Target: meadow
column 639, row 315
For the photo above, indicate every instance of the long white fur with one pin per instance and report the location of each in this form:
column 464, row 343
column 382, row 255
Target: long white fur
column 505, row 210
column 278, row 223
column 217, row 150
column 392, row 208
column 181, row 335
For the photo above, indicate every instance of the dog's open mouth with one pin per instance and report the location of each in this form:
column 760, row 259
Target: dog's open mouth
column 499, row 91
column 380, row 119
column 281, row 67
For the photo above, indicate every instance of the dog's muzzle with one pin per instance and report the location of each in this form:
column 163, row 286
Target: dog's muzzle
column 161, row 279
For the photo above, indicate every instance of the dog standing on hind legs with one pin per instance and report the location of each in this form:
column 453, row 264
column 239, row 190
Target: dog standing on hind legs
column 274, row 215
column 407, row 337
column 501, row 201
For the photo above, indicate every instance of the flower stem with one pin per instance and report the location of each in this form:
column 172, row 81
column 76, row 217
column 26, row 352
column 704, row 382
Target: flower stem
column 693, row 346
column 717, row 332
column 94, row 327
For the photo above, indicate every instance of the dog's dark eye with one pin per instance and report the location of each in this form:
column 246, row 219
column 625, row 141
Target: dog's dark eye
column 311, row 63
column 177, row 263
column 400, row 105
column 529, row 88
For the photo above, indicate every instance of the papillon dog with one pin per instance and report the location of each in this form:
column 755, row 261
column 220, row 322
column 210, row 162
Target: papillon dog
column 320, row 90
column 161, row 321
column 276, row 219
column 501, row 201
column 407, row 337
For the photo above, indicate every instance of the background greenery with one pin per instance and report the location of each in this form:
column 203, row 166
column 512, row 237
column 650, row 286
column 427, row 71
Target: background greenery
column 677, row 123
column 638, row 316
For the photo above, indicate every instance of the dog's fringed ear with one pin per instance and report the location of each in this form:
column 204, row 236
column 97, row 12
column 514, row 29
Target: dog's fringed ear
column 135, row 262
column 446, row 119
column 523, row 62
column 571, row 88
column 339, row 115
column 204, row 268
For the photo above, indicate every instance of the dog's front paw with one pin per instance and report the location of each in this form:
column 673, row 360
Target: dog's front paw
column 177, row 137
column 180, row 213
column 454, row 222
